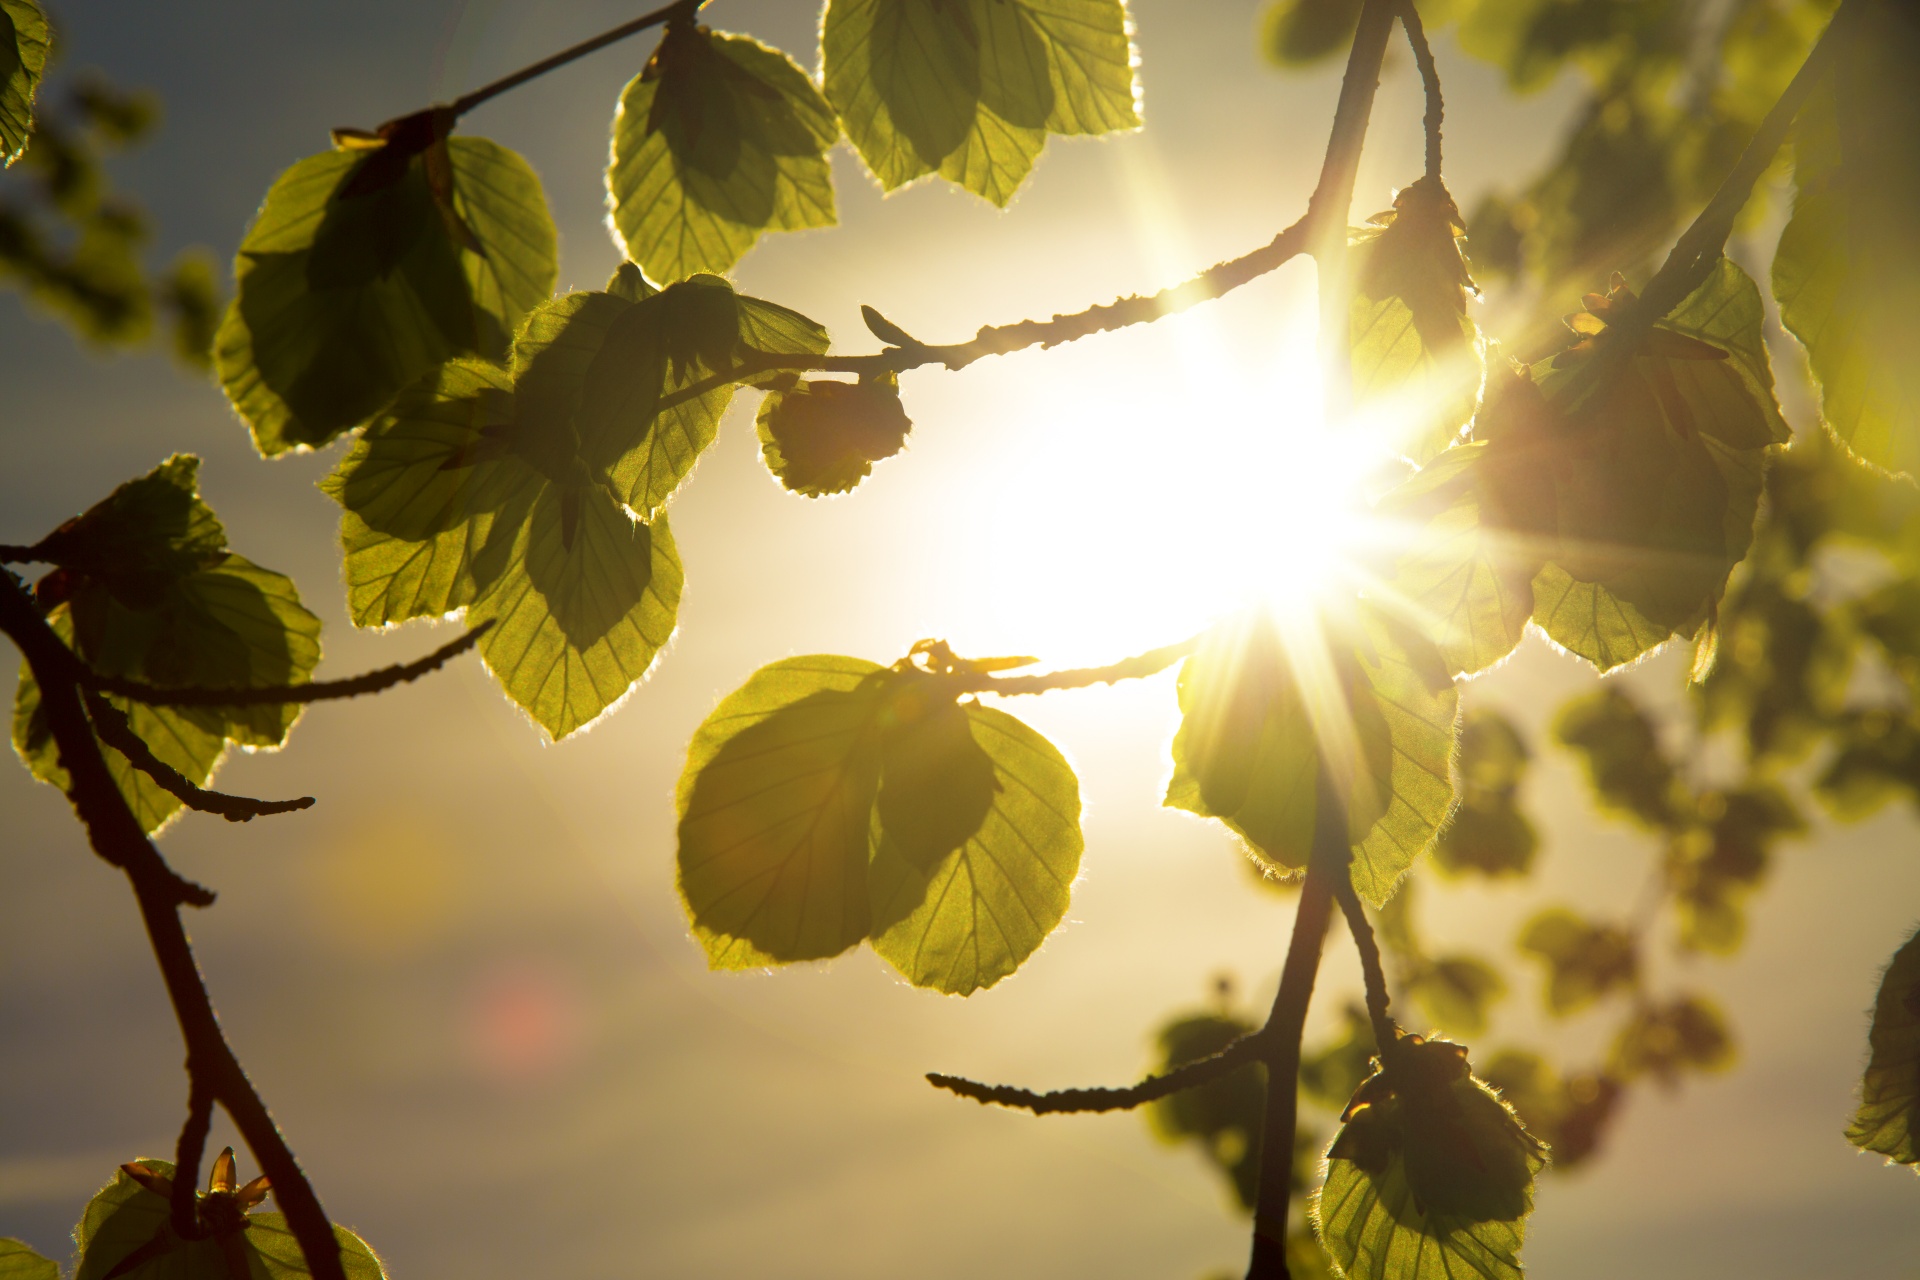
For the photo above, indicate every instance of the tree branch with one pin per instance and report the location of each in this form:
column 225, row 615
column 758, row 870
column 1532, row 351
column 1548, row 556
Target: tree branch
column 111, row 724
column 11, row 554
column 1190, row 1075
column 186, row 1160
column 313, row 691
column 116, row 836
column 1137, row 667
column 468, row 101
column 1699, row 246
column 1429, row 83
column 1378, row 1004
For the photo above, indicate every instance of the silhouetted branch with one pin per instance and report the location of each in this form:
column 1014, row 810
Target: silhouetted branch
column 1378, row 1004
column 1189, row 1075
column 11, row 554
column 186, row 1160
column 313, row 691
column 468, row 101
column 111, row 724
column 1429, row 82
column 116, row 836
column 1135, row 668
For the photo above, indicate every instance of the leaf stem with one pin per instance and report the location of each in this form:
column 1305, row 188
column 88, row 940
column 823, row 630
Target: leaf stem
column 468, row 101
column 279, row 695
column 1385, row 1033
column 1429, row 83
column 111, row 724
column 116, row 836
column 186, row 1160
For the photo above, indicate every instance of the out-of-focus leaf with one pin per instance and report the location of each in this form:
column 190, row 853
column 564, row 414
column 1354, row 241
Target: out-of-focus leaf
column 1570, row 1114
column 1416, row 355
column 1848, row 263
column 126, row 1231
column 1362, row 698
column 24, row 42
column 1620, row 749
column 1330, row 1073
column 1454, row 992
column 1295, row 33
column 1221, row 1117
column 362, row 273
column 1488, row 834
column 972, row 88
column 1665, row 1039
column 824, row 437
column 1712, row 867
column 1430, row 1176
column 1877, row 761
column 718, row 140
column 1585, row 961
column 1889, row 1116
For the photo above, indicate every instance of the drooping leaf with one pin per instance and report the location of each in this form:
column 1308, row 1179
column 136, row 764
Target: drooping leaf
column 127, row 1222
column 717, row 141
column 449, row 505
column 1430, row 1176
column 145, row 589
column 1488, row 834
column 1585, row 961
column 1364, row 699
column 1848, row 263
column 971, row 88
column 24, row 42
column 368, row 267
column 829, row 800
column 19, row 1261
column 824, row 437
column 1620, row 748
column 971, row 916
column 1415, row 354
column 1888, row 1120
column 1683, row 1034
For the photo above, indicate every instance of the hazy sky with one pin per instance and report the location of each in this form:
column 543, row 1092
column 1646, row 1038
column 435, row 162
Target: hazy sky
column 463, row 980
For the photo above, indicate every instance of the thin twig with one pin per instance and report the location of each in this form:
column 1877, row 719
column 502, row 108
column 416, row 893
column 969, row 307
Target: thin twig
column 1429, row 81
column 467, row 102
column 1385, row 1033
column 1286, row 1022
column 1190, row 1075
column 280, row 695
column 1699, row 247
column 116, row 836
column 11, row 554
column 186, row 1160
column 1137, row 667
column 111, row 724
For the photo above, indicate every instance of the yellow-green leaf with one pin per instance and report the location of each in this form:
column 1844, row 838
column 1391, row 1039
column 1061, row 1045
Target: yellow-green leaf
column 24, row 43
column 1888, row 1120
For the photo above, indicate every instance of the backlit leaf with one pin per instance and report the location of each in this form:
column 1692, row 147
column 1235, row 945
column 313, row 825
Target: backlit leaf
column 356, row 279
column 125, row 1219
column 1430, row 1175
column 1848, row 265
column 18, row 1261
column 718, row 140
column 971, row 88
column 1888, row 1120
column 974, row 916
column 1585, row 961
column 823, row 437
column 24, row 42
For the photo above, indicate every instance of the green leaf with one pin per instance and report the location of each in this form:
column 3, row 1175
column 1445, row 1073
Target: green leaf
column 24, row 42
column 1713, row 867
column 1294, row 33
column 821, row 438
column 1488, row 834
column 1430, row 1176
column 1585, row 961
column 1465, row 574
column 446, row 510
column 1364, row 697
column 1683, row 1034
column 718, row 140
column 1454, row 991
column 1625, row 763
column 1415, row 354
column 145, row 589
column 829, row 800
column 1569, row 1114
column 971, row 88
column 1848, row 263
column 968, row 919
column 1889, row 1114
column 357, row 278
column 19, row 1261
column 125, row 1218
